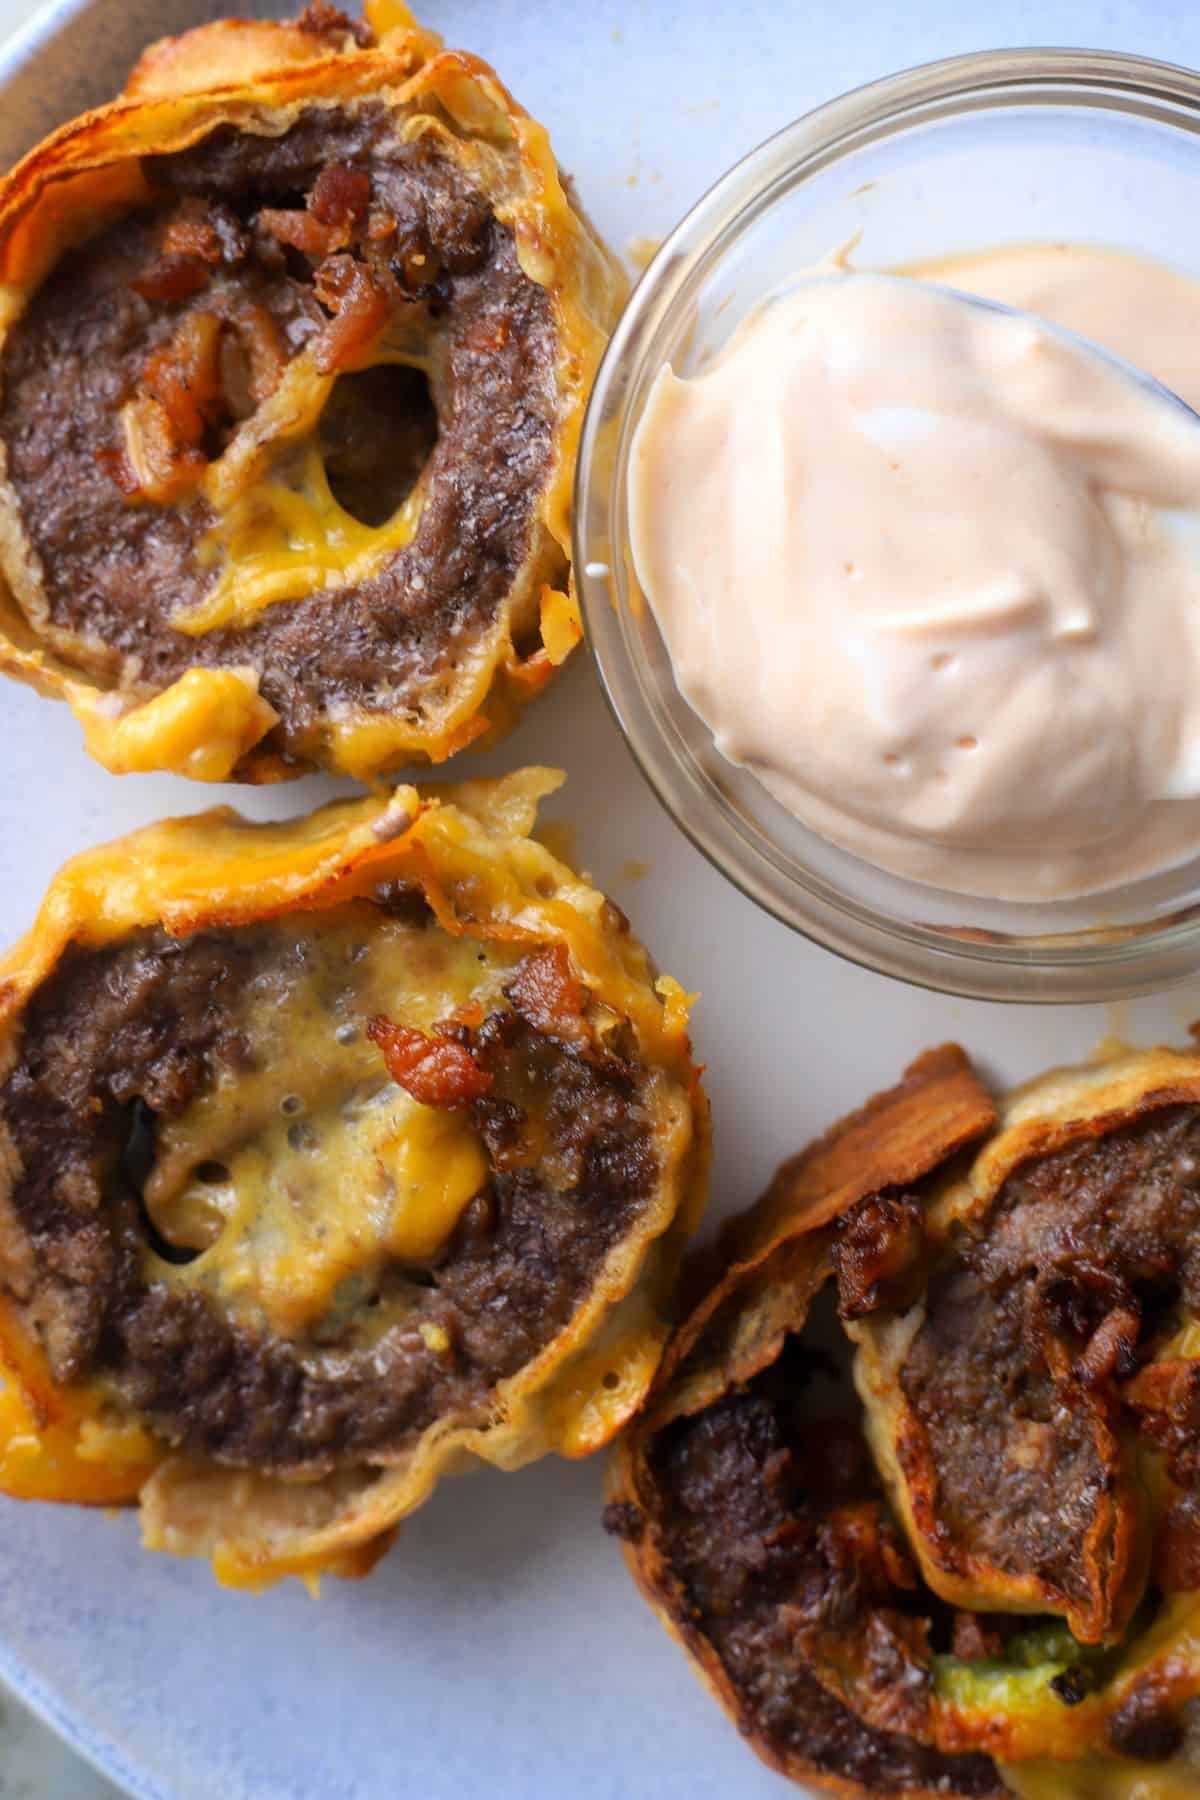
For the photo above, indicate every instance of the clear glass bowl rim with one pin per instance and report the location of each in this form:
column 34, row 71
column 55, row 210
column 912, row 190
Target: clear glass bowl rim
column 1079, row 967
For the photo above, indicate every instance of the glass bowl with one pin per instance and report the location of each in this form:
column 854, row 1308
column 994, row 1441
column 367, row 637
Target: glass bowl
column 967, row 154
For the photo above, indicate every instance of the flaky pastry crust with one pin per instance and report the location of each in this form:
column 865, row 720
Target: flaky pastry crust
column 225, row 717
column 461, row 864
column 832, row 1655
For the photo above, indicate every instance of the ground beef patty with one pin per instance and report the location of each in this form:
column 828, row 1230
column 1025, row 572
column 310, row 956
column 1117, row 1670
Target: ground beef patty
column 770, row 1543
column 917, row 1485
column 399, row 219
column 336, row 1154
column 119, row 1042
column 1032, row 1327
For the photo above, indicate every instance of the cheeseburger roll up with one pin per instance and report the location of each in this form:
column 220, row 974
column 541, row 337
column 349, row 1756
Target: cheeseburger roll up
column 918, row 1484
column 334, row 1155
column 295, row 340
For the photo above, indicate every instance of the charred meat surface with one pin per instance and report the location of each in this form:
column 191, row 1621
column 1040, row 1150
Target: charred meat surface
column 914, row 1353
column 766, row 1536
column 119, row 1041
column 252, row 249
column 1032, row 1331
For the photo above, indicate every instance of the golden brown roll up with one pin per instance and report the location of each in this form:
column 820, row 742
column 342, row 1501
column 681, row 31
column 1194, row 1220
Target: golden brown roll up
column 917, row 1484
column 334, row 1155
column 295, row 341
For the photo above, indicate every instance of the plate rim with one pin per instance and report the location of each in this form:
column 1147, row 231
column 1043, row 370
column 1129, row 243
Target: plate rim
column 99, row 1751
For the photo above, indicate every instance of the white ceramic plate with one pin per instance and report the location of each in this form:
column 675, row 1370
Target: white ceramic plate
column 501, row 1649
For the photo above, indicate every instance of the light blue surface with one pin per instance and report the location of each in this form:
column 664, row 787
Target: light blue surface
column 500, row 1649
column 36, row 1763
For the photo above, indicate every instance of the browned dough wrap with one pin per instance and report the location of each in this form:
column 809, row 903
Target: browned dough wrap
column 882, row 1591
column 295, row 341
column 335, row 1156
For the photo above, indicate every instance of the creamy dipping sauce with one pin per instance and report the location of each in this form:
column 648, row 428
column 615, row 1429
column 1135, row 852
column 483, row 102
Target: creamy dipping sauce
column 1139, row 309
column 933, row 575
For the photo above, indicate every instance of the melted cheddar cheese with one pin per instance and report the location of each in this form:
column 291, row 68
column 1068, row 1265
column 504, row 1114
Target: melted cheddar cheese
column 279, row 533
column 286, row 537
column 38, row 1460
column 255, row 1173
column 204, row 723
column 60, row 1443
column 1184, row 1346
column 299, row 1176
column 1102, row 1778
column 1012, row 1699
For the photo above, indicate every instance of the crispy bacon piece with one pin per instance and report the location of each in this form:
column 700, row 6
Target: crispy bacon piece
column 197, row 239
column 191, row 233
column 877, row 1253
column 301, row 230
column 341, row 196
column 117, row 466
column 172, row 278
column 549, row 995
column 184, row 377
column 1110, row 1349
column 360, row 305
column 436, row 1071
column 860, row 1544
column 154, row 464
column 320, row 20
column 210, row 368
column 336, row 212
column 165, row 421
column 1166, row 1393
column 255, row 334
